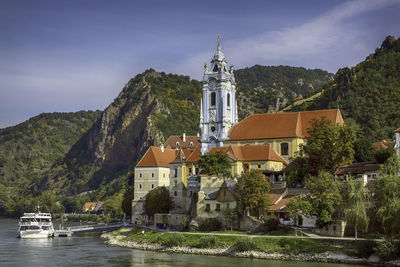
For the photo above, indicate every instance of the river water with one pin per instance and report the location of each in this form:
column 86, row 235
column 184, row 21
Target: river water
column 88, row 249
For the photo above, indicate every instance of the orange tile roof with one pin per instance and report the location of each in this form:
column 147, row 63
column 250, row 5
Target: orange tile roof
column 280, row 125
column 384, row 144
column 250, row 153
column 276, row 194
column 195, row 156
column 173, row 139
column 283, row 202
column 154, row 157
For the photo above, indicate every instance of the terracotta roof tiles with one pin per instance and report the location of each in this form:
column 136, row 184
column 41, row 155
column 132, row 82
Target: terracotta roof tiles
column 155, row 157
column 280, row 125
column 175, row 141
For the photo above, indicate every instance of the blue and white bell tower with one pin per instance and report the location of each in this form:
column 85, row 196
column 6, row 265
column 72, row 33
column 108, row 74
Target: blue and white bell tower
column 218, row 111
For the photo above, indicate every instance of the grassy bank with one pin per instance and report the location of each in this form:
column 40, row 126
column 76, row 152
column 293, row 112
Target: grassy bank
column 239, row 243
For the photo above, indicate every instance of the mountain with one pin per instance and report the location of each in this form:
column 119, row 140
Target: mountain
column 28, row 150
column 368, row 94
column 264, row 89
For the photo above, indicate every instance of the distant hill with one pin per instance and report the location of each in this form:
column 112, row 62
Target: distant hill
column 368, row 94
column 29, row 149
column 264, row 89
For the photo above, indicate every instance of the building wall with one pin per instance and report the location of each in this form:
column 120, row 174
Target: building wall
column 293, row 145
column 148, row 178
column 237, row 167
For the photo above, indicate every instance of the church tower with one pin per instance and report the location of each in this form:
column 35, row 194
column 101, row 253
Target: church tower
column 218, row 111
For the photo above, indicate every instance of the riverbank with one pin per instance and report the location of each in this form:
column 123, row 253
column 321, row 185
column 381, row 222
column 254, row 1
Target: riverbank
column 268, row 248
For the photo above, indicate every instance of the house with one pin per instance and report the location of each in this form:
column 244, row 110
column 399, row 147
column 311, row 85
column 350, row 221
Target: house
column 366, row 171
column 96, row 207
column 246, row 157
column 285, row 132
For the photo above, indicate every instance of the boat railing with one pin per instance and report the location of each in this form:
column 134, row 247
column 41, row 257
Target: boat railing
column 34, row 223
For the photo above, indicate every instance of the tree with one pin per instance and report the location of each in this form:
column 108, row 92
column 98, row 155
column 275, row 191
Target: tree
column 387, row 197
column 112, row 206
column 215, row 163
column 158, row 200
column 325, row 197
column 252, row 191
column 48, row 202
column 328, row 146
column 127, row 202
column 229, row 215
column 355, row 213
column 297, row 207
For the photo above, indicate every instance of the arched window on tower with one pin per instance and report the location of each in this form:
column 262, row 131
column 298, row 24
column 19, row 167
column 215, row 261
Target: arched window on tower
column 228, row 100
column 284, row 149
column 213, row 99
column 215, row 69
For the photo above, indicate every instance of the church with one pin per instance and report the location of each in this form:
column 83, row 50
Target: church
column 265, row 142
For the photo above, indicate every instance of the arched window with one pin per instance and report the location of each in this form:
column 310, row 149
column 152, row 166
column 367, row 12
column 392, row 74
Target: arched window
column 284, row 149
column 228, row 100
column 215, row 69
column 191, row 143
column 213, row 99
column 177, row 143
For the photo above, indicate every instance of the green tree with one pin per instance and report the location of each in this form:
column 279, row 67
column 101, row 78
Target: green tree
column 325, row 197
column 215, row 163
column 387, row 197
column 252, row 191
column 229, row 216
column 127, row 202
column 355, row 213
column 364, row 151
column 48, row 202
column 158, row 200
column 328, row 146
column 112, row 206
column 297, row 207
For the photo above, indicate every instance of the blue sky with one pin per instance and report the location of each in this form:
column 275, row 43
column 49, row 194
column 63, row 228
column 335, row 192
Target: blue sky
column 77, row 55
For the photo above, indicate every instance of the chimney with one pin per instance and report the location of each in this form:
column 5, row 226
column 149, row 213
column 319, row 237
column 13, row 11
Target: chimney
column 162, row 148
column 184, row 137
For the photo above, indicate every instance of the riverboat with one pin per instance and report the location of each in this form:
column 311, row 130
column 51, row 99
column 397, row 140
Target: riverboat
column 35, row 225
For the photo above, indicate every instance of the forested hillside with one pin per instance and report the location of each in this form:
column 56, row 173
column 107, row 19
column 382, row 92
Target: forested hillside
column 368, row 94
column 264, row 89
column 28, row 150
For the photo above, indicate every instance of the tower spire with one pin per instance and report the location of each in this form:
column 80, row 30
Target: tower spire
column 219, row 42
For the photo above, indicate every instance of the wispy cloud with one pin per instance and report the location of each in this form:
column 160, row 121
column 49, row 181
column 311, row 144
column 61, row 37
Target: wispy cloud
column 329, row 41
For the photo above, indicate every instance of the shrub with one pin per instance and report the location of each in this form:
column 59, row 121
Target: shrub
column 245, row 244
column 388, row 249
column 207, row 241
column 174, row 240
column 271, row 224
column 365, row 248
column 210, row 224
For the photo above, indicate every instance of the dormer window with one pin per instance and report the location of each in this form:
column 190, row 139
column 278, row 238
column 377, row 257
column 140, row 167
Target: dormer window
column 177, row 143
column 191, row 143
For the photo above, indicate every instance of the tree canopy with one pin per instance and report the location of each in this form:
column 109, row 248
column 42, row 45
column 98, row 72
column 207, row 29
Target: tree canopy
column 215, row 163
column 158, row 200
column 252, row 191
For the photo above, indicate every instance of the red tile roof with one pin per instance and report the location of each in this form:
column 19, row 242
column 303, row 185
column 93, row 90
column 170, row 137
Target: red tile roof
column 190, row 142
column 250, row 153
column 384, row 144
column 195, row 155
column 154, row 157
column 280, row 125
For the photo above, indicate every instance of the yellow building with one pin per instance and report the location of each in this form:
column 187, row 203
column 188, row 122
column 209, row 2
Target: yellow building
column 246, row 157
column 285, row 132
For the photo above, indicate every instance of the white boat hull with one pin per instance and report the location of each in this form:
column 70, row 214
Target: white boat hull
column 35, row 234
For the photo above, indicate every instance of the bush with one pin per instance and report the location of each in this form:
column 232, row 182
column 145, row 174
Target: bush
column 210, row 224
column 388, row 249
column 245, row 244
column 365, row 248
column 207, row 241
column 271, row 224
column 174, row 240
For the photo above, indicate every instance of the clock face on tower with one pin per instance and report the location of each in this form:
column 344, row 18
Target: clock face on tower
column 212, row 84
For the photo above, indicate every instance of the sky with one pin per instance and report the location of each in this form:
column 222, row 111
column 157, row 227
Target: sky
column 71, row 55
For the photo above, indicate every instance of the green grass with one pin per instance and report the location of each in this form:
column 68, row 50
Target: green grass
column 260, row 243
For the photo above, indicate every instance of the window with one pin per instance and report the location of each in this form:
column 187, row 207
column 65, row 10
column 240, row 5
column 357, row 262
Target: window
column 228, row 100
column 177, row 143
column 152, row 174
column 175, row 172
column 218, row 207
column 284, row 149
column 191, row 143
column 140, row 186
column 227, row 205
column 259, row 166
column 175, row 183
column 152, row 186
column 207, row 207
column 213, row 99
column 175, row 193
column 163, row 175
column 140, row 175
column 215, row 69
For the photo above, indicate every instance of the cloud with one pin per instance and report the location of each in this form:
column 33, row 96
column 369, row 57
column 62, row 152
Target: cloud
column 335, row 39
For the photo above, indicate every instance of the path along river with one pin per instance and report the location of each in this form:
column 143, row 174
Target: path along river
column 88, row 249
